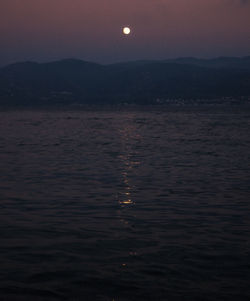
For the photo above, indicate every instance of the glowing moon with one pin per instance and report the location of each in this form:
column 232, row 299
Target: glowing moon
column 126, row 30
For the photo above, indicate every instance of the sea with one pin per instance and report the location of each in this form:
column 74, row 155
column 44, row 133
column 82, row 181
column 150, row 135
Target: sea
column 125, row 204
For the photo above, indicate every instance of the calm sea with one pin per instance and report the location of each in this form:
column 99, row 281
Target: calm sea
column 125, row 205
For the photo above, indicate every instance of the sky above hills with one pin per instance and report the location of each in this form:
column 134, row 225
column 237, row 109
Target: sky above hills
column 44, row 30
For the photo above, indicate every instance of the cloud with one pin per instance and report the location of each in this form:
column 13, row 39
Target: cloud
column 241, row 2
column 244, row 1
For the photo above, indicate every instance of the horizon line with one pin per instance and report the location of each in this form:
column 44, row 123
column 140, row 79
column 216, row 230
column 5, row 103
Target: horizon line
column 123, row 62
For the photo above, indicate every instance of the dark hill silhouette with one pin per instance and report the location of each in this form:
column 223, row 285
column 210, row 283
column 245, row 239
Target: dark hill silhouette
column 221, row 62
column 77, row 81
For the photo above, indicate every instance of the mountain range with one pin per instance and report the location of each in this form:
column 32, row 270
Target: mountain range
column 72, row 81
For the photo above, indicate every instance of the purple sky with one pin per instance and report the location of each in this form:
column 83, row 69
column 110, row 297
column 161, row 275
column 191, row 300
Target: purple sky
column 44, row 30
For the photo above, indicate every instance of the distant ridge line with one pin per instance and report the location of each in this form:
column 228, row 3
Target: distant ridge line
column 144, row 61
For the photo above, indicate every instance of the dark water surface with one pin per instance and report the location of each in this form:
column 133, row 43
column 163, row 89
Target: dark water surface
column 125, row 205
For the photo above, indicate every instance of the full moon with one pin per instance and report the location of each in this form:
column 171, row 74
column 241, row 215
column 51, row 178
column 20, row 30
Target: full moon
column 126, row 30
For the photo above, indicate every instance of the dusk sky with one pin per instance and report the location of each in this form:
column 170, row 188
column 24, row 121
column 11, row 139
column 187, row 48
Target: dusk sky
column 45, row 30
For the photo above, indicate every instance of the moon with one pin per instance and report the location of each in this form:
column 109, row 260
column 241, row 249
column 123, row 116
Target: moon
column 126, row 30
